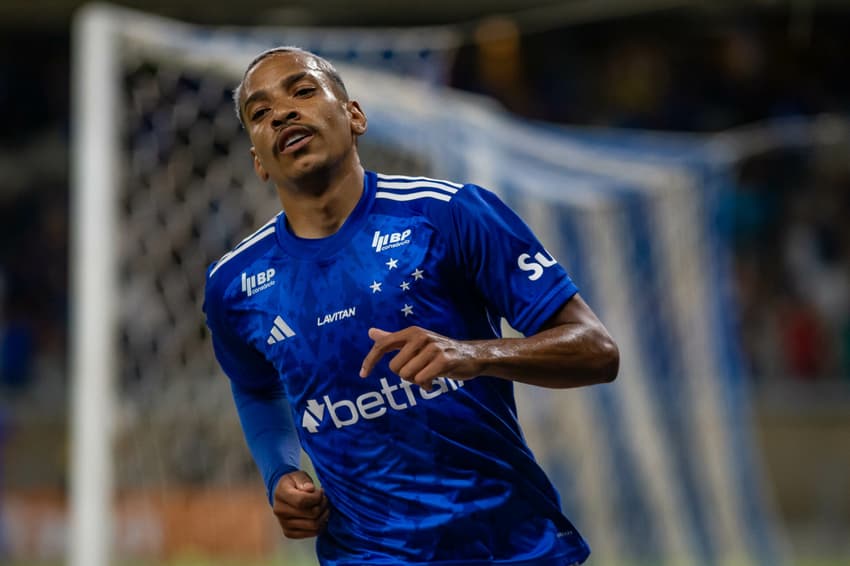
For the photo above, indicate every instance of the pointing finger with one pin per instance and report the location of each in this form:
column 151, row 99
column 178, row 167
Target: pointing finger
column 376, row 333
column 384, row 342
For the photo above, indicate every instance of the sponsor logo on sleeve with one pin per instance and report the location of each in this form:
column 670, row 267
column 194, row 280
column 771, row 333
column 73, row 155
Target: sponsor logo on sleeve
column 254, row 283
column 537, row 265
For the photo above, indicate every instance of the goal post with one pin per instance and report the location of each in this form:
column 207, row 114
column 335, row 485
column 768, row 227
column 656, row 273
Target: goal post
column 95, row 146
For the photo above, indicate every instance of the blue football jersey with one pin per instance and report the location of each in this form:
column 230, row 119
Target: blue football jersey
column 413, row 476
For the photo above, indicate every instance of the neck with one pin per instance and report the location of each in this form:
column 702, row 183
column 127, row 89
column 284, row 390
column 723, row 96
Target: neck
column 319, row 208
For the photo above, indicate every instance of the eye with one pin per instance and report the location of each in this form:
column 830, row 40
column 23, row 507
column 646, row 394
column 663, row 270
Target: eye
column 305, row 91
column 258, row 113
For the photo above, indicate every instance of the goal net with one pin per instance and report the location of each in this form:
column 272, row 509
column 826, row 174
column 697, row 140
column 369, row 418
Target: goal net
column 655, row 468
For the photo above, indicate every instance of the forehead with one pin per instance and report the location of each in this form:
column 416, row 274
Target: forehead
column 274, row 68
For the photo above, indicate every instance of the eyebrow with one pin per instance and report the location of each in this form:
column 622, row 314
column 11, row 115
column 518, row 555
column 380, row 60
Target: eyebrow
column 262, row 94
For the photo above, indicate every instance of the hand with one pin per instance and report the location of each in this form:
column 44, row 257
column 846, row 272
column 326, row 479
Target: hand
column 301, row 508
column 423, row 355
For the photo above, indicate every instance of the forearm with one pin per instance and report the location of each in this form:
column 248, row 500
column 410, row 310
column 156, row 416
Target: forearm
column 567, row 355
column 269, row 432
column 572, row 349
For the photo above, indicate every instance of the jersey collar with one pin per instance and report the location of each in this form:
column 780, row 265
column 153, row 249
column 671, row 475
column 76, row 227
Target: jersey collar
column 320, row 248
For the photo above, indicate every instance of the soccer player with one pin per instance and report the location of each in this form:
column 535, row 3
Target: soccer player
column 362, row 324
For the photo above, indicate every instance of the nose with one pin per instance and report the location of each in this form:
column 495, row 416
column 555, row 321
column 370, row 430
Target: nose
column 282, row 118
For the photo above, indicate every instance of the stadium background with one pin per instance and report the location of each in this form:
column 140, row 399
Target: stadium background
column 756, row 90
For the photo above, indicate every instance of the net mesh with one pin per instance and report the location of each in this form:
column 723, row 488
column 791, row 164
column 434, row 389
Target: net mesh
column 190, row 194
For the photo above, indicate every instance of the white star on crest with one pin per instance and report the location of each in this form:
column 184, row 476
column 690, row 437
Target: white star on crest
column 407, row 310
column 376, row 287
column 392, row 264
column 417, row 275
column 405, row 286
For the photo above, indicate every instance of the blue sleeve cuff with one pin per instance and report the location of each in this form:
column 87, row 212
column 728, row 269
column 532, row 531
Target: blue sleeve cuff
column 271, row 484
column 546, row 307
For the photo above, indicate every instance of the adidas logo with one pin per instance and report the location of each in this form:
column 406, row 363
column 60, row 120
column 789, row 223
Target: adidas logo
column 280, row 331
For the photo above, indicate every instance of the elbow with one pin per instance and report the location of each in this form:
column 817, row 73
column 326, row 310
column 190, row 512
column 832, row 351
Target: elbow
column 609, row 359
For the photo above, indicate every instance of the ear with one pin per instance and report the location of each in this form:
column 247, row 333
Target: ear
column 359, row 123
column 258, row 167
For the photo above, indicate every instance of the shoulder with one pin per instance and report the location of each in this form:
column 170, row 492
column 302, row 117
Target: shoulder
column 241, row 258
column 424, row 195
column 400, row 188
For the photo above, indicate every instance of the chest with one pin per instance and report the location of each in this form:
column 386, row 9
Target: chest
column 310, row 318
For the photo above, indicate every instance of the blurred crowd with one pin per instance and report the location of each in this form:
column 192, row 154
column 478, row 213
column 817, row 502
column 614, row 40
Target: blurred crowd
column 792, row 242
column 692, row 71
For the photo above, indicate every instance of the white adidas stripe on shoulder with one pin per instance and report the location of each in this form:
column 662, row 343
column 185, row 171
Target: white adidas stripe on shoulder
column 257, row 231
column 413, row 196
column 265, row 230
column 414, row 188
column 401, row 179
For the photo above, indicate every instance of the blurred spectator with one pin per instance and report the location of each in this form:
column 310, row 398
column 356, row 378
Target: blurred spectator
column 16, row 354
column 793, row 266
column 802, row 344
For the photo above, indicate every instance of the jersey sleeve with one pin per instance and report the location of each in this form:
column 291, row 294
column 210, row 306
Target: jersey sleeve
column 260, row 399
column 517, row 277
column 241, row 362
column 269, row 432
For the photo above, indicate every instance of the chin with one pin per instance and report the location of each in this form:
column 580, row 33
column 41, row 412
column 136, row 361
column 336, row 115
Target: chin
column 309, row 169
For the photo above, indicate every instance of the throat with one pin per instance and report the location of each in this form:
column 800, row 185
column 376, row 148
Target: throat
column 322, row 214
column 318, row 224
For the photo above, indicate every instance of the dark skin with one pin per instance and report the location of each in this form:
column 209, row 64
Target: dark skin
column 304, row 130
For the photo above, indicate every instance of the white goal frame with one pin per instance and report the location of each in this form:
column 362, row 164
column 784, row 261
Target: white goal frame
column 93, row 281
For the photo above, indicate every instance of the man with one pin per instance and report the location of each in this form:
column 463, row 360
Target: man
column 363, row 320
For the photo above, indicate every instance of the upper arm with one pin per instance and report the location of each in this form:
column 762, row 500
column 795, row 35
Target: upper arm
column 574, row 311
column 518, row 279
column 242, row 363
column 575, row 321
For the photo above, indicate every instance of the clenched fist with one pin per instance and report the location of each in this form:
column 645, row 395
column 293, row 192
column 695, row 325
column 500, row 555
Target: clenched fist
column 301, row 508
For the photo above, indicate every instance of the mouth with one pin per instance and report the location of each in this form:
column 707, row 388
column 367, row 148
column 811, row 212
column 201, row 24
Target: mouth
column 293, row 138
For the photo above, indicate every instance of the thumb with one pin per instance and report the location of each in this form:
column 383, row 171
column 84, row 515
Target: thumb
column 302, row 481
column 375, row 333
